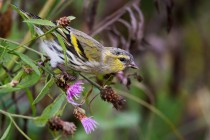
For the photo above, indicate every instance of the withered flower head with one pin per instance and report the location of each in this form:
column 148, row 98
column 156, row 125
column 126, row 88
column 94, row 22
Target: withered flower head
column 27, row 69
column 109, row 95
column 63, row 21
column 14, row 83
column 56, row 124
column 63, row 79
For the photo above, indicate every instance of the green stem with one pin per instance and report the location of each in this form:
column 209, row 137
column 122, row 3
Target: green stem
column 18, row 128
column 45, row 69
column 92, row 82
column 10, row 115
column 48, row 5
column 48, row 71
column 16, row 115
column 16, row 43
column 51, row 30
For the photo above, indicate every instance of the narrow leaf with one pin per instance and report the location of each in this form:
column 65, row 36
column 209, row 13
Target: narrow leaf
column 63, row 47
column 27, row 81
column 71, row 18
column 40, row 22
column 18, row 128
column 44, row 91
column 6, row 131
column 30, row 98
column 28, row 61
column 50, row 111
column 22, row 14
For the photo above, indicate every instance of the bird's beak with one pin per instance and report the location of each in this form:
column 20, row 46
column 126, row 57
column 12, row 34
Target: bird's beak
column 133, row 65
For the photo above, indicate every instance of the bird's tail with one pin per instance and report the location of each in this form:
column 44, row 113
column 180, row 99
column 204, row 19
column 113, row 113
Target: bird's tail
column 39, row 29
column 24, row 14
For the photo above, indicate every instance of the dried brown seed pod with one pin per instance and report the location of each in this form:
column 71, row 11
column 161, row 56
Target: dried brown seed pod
column 109, row 95
column 63, row 21
column 79, row 113
column 63, row 79
column 56, row 124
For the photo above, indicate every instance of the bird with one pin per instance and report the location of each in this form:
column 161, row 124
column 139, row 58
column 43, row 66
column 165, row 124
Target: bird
column 83, row 53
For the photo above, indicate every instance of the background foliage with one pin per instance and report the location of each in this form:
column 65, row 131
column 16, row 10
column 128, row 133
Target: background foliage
column 170, row 43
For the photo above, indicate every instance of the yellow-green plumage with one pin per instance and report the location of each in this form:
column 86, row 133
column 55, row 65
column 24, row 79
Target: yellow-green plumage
column 84, row 53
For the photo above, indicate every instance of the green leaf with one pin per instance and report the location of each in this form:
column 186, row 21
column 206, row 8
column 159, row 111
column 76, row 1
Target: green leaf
column 44, row 91
column 60, row 39
column 24, row 16
column 50, row 111
column 27, row 81
column 30, row 98
column 28, row 61
column 18, row 11
column 71, row 18
column 40, row 22
column 6, row 132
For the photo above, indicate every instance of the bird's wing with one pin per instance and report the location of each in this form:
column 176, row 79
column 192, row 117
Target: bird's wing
column 77, row 42
column 83, row 44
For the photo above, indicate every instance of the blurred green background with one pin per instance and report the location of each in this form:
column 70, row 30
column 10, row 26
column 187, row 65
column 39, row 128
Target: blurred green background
column 171, row 47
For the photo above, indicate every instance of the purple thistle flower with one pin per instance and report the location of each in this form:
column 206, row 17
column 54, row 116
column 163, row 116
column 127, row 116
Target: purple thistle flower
column 74, row 91
column 89, row 124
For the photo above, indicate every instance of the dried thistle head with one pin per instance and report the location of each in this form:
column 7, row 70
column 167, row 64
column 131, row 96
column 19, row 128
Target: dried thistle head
column 79, row 113
column 109, row 95
column 63, row 21
column 63, row 79
column 69, row 128
column 56, row 124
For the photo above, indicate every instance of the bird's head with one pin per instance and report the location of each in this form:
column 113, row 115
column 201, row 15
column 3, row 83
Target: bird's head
column 119, row 59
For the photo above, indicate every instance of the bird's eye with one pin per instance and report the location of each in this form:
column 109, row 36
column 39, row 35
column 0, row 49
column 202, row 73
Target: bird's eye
column 122, row 59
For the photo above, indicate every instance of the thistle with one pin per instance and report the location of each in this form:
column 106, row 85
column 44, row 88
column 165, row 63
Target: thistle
column 74, row 91
column 88, row 123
